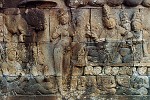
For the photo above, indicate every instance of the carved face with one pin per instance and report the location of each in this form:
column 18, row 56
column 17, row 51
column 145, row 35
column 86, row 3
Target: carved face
column 106, row 9
column 64, row 19
column 12, row 55
column 41, row 58
column 142, row 70
column 127, row 26
column 136, row 26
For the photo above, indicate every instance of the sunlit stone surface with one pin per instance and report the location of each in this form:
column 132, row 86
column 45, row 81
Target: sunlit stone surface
column 74, row 50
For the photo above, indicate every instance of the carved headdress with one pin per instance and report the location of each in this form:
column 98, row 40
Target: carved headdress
column 137, row 17
column 124, row 17
column 62, row 12
column 106, row 10
column 137, row 21
column 125, row 22
column 11, row 51
column 63, row 16
column 108, row 19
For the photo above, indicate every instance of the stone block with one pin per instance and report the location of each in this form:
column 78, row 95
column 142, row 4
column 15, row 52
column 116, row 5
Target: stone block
column 139, row 82
column 148, row 71
column 97, row 71
column 106, row 82
column 32, row 98
column 125, row 70
column 142, row 70
column 74, row 83
column 88, row 70
column 123, row 80
column 91, row 86
column 91, row 81
column 82, row 83
column 115, row 70
column 77, row 71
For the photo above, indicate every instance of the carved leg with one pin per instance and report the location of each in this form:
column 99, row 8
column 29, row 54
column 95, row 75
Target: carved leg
column 60, row 86
column 41, row 89
column 58, row 59
column 19, row 90
column 4, row 69
column 66, row 64
column 21, row 38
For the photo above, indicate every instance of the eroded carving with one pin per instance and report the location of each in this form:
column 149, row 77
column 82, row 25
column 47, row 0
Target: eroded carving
column 15, row 24
column 72, row 52
column 108, row 18
column 62, row 39
column 139, row 34
column 13, row 74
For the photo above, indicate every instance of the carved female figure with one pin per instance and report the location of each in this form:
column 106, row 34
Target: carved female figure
column 61, row 38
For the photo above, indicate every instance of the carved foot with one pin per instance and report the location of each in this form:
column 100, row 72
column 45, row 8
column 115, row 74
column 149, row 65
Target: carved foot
column 21, row 38
column 145, row 59
column 146, row 55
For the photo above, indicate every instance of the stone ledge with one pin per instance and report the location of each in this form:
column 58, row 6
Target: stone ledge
column 86, row 97
column 117, row 97
column 30, row 97
column 120, row 64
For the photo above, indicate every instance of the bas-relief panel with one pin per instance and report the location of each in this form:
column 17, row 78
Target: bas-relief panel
column 87, row 49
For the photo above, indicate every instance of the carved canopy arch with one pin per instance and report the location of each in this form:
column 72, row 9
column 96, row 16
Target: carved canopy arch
column 51, row 3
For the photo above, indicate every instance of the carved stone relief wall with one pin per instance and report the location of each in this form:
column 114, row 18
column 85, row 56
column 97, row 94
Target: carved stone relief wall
column 74, row 49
